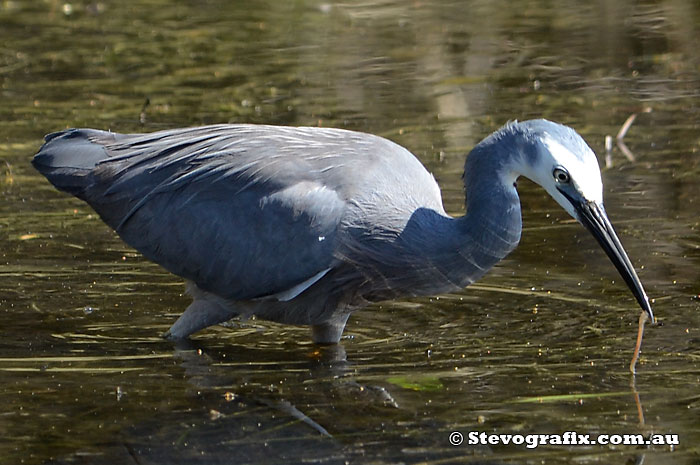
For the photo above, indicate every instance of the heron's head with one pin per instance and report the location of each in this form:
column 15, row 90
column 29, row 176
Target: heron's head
column 557, row 158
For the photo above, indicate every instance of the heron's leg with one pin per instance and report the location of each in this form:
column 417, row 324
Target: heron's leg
column 330, row 331
column 199, row 315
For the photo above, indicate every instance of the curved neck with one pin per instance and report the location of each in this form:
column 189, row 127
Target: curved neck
column 436, row 253
column 441, row 254
column 493, row 206
column 491, row 228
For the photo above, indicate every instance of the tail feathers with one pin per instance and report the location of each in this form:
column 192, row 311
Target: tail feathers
column 68, row 157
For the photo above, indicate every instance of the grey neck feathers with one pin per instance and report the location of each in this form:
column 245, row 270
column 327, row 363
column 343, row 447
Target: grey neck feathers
column 436, row 253
column 451, row 253
column 492, row 223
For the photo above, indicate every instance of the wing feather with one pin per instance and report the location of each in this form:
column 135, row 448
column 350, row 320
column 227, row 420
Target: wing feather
column 230, row 208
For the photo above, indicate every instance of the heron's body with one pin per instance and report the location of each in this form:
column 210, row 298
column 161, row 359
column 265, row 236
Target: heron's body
column 296, row 225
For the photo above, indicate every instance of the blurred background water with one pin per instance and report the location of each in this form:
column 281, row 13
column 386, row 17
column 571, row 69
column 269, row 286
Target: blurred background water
column 541, row 345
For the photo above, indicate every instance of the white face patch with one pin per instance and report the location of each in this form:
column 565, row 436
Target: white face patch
column 585, row 173
column 582, row 168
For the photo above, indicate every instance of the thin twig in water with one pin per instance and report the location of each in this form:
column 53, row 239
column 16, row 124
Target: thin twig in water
column 637, row 348
column 621, row 135
column 626, row 127
column 608, row 151
column 637, row 402
column 619, row 139
column 290, row 409
column 625, row 150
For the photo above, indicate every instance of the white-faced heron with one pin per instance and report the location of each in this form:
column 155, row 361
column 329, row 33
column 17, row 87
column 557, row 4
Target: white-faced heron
column 305, row 225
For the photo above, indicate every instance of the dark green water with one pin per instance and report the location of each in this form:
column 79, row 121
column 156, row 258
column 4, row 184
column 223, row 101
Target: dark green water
column 541, row 345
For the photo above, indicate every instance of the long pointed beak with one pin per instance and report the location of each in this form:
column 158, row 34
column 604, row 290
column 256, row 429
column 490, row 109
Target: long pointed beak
column 594, row 218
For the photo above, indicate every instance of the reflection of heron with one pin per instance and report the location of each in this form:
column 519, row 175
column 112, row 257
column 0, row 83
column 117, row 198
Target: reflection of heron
column 305, row 225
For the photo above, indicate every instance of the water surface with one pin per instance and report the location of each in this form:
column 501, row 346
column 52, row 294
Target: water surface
column 540, row 345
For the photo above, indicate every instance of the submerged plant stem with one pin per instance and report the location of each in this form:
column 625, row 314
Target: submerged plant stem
column 640, row 333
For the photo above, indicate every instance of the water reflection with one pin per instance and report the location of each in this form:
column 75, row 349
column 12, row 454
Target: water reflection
column 304, row 409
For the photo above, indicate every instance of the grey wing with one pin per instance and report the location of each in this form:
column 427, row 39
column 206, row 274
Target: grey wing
column 230, row 210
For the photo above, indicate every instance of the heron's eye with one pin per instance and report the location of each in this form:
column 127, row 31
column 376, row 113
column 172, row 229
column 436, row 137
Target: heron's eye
column 561, row 175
